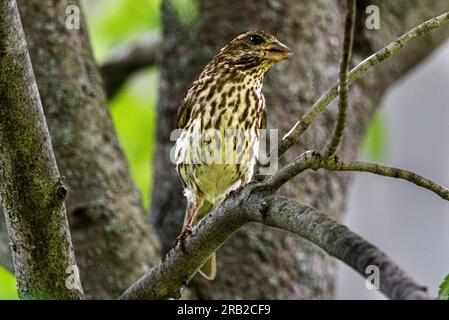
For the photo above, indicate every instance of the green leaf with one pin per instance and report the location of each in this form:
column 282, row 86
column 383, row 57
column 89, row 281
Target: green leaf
column 444, row 289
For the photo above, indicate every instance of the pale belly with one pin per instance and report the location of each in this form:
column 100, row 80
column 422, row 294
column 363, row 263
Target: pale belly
column 215, row 181
column 211, row 173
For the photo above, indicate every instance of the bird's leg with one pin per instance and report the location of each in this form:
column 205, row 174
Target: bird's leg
column 239, row 188
column 179, row 243
column 187, row 228
column 243, row 183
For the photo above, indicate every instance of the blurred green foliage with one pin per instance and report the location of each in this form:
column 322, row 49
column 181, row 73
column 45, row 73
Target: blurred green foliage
column 186, row 11
column 443, row 293
column 115, row 23
column 374, row 145
column 7, row 285
column 134, row 117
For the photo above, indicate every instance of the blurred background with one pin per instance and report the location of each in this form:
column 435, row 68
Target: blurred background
column 409, row 224
column 409, row 131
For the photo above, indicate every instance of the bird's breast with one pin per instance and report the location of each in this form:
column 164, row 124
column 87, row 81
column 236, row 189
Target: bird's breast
column 219, row 145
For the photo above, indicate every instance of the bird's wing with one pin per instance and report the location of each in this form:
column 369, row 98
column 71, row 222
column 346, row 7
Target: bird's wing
column 184, row 110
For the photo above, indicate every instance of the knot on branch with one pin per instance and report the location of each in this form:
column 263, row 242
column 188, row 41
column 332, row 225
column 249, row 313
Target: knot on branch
column 61, row 192
column 61, row 189
column 314, row 159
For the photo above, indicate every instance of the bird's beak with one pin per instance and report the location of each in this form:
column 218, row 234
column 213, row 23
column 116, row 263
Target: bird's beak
column 277, row 51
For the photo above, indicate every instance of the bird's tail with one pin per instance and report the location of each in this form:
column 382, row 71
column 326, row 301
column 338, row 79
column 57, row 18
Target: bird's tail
column 209, row 269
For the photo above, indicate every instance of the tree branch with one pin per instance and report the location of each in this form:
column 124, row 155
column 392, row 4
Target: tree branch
column 30, row 186
column 125, row 61
column 340, row 242
column 386, row 171
column 391, row 49
column 255, row 203
column 258, row 204
column 343, row 77
column 313, row 160
column 112, row 236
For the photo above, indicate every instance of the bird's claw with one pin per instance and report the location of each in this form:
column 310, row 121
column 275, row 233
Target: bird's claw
column 237, row 190
column 180, row 240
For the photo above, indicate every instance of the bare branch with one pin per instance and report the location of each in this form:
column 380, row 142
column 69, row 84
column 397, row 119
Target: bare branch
column 381, row 170
column 30, row 188
column 391, row 49
column 313, row 160
column 340, row 242
column 125, row 61
column 308, row 160
column 337, row 135
column 256, row 203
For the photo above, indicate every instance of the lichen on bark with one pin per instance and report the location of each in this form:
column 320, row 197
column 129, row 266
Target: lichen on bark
column 31, row 188
column 113, row 239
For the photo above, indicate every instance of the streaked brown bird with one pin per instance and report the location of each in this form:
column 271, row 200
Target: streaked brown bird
column 220, row 118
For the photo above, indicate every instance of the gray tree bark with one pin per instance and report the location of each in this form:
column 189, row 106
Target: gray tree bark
column 31, row 187
column 260, row 262
column 113, row 239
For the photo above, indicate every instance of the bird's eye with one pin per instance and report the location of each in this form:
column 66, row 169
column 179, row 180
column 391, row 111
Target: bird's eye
column 256, row 39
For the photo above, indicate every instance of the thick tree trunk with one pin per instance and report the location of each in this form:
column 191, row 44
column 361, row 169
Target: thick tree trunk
column 261, row 262
column 114, row 242
column 31, row 187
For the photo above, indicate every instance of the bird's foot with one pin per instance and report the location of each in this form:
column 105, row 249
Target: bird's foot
column 180, row 240
column 237, row 190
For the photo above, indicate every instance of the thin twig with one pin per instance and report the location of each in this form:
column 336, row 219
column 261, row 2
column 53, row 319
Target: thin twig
column 391, row 49
column 313, row 160
column 337, row 135
column 392, row 172
column 308, row 160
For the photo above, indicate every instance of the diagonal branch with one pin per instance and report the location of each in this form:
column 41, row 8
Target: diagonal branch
column 255, row 203
column 337, row 135
column 391, row 49
column 340, row 242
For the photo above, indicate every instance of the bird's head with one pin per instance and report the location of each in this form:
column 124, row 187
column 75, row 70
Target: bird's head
column 254, row 49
